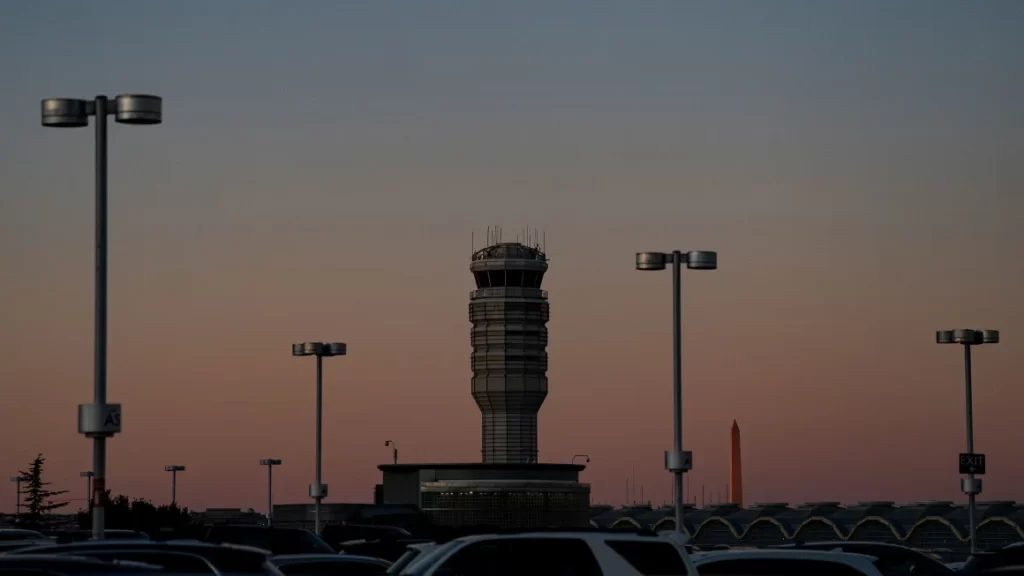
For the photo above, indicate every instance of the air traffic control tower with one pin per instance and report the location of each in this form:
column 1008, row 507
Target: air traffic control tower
column 509, row 312
column 510, row 488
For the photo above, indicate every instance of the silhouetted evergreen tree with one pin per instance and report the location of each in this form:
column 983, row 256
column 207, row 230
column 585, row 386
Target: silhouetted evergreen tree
column 38, row 499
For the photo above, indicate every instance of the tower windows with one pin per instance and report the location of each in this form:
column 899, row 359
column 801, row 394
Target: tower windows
column 508, row 278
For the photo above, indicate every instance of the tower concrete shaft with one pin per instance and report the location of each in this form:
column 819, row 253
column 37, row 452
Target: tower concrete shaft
column 509, row 313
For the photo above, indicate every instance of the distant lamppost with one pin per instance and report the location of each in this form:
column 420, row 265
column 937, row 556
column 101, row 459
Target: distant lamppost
column 318, row 490
column 174, row 469
column 17, row 495
column 677, row 461
column 584, row 456
column 88, row 486
column 970, row 486
column 270, row 463
column 394, row 449
column 100, row 420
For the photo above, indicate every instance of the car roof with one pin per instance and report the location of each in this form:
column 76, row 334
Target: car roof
column 20, row 557
column 840, row 544
column 255, row 527
column 886, row 549
column 62, row 560
column 762, row 554
column 299, row 558
column 555, row 535
column 144, row 544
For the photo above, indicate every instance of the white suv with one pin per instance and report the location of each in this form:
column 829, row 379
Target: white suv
column 555, row 554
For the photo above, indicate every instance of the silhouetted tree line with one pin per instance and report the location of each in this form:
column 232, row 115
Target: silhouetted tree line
column 124, row 513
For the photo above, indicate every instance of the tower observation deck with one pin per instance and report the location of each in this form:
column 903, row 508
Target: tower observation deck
column 509, row 313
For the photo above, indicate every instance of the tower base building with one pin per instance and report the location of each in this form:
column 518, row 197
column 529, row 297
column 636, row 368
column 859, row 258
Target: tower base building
column 505, row 496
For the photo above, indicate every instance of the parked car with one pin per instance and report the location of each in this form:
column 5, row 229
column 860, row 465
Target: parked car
column 779, row 562
column 579, row 553
column 46, row 565
column 10, row 534
column 891, row 559
column 170, row 560
column 70, row 536
column 335, row 534
column 227, row 559
column 1007, row 561
column 330, row 564
column 276, row 540
column 412, row 552
column 15, row 538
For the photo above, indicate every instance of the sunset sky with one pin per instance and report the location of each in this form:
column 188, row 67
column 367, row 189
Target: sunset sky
column 323, row 164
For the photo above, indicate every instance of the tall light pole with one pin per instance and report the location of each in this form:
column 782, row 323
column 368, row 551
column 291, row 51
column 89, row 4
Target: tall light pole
column 100, row 420
column 394, row 449
column 88, row 486
column 318, row 490
column 270, row 463
column 970, row 463
column 677, row 461
column 174, row 469
column 17, row 495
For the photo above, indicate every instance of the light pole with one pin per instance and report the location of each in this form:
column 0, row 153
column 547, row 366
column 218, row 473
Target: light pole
column 677, row 461
column 88, row 486
column 174, row 469
column 394, row 449
column 100, row 420
column 970, row 486
column 17, row 495
column 318, row 490
column 270, row 463
column 584, row 456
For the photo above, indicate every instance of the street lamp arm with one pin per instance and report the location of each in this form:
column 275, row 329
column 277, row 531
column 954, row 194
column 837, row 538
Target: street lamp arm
column 693, row 259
